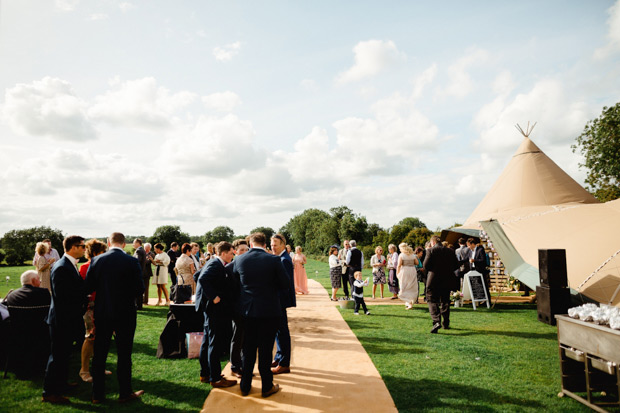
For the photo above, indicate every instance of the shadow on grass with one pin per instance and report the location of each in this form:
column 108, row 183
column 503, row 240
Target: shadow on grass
column 378, row 345
column 520, row 334
column 419, row 395
column 154, row 312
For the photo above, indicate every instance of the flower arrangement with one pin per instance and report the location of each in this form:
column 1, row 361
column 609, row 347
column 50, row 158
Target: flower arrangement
column 513, row 283
column 456, row 296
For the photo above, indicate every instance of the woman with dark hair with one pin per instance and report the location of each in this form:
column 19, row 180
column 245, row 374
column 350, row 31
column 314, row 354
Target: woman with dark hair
column 335, row 271
column 160, row 278
column 185, row 267
column 93, row 248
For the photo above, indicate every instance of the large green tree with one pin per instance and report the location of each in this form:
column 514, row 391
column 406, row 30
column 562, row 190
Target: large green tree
column 400, row 231
column 167, row 234
column 217, row 234
column 265, row 230
column 19, row 244
column 599, row 143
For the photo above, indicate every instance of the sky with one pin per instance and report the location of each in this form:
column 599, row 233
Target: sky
column 128, row 115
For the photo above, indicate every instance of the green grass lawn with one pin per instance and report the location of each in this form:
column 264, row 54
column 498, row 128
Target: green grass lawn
column 491, row 360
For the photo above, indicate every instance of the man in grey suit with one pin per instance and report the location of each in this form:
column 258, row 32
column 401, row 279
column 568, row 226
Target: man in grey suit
column 440, row 264
column 261, row 276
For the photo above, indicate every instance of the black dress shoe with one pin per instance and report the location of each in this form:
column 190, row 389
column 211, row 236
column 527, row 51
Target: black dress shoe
column 446, row 327
column 435, row 328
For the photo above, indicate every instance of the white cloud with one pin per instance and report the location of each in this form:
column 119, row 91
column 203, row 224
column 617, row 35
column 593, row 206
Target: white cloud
column 222, row 101
column 371, row 57
column 67, row 5
column 98, row 16
column 613, row 35
column 139, row 103
column 226, row 52
column 309, row 85
column 560, row 117
column 47, row 107
column 426, row 78
column 216, row 147
column 126, row 6
column 461, row 84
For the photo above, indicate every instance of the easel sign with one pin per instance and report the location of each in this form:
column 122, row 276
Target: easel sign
column 474, row 288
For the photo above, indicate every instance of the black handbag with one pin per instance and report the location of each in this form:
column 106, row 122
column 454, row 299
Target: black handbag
column 181, row 293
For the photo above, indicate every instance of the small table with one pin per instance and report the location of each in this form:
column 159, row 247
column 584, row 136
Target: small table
column 589, row 359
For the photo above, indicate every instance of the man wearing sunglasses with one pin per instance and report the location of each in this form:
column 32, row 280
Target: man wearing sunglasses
column 64, row 319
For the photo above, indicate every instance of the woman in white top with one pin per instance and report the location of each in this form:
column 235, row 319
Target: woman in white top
column 160, row 275
column 407, row 275
column 335, row 271
column 392, row 262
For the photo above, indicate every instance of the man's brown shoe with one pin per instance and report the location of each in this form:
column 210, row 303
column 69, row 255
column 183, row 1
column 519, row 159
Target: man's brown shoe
column 223, row 383
column 204, row 379
column 133, row 396
column 281, row 370
column 274, row 390
column 55, row 399
column 274, row 364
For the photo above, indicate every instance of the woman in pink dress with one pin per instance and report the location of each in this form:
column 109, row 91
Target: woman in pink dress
column 301, row 280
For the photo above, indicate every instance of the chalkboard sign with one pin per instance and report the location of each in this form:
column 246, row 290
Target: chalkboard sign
column 474, row 288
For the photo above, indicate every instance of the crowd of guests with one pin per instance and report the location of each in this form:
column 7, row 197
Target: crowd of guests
column 406, row 270
column 251, row 294
column 246, row 285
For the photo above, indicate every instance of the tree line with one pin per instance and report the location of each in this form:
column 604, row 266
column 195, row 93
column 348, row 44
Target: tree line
column 314, row 230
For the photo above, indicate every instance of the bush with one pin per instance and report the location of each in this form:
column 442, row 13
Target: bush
column 13, row 258
column 2, row 255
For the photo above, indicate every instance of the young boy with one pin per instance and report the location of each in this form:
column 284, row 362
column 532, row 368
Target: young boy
column 358, row 293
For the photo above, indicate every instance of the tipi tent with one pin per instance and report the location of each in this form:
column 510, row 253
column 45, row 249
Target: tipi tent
column 535, row 205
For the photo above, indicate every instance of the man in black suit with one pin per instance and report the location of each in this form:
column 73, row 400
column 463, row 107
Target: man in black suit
column 236, row 341
column 64, row 318
column 29, row 306
column 478, row 260
column 261, row 276
column 140, row 255
column 117, row 279
column 354, row 261
column 173, row 253
column 282, row 361
column 440, row 264
column 214, row 292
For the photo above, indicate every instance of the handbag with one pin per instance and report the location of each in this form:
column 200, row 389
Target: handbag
column 181, row 293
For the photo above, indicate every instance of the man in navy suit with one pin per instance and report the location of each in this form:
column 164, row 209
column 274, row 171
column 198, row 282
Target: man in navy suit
column 282, row 361
column 64, row 318
column 116, row 277
column 214, row 292
column 261, row 276
column 440, row 264
column 140, row 255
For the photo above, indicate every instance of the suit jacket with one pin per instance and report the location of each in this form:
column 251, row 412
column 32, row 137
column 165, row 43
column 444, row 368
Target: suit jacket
column 440, row 264
column 173, row 259
column 28, row 296
column 287, row 295
column 117, row 279
column 140, row 255
column 261, row 277
column 463, row 254
column 480, row 260
column 68, row 297
column 214, row 281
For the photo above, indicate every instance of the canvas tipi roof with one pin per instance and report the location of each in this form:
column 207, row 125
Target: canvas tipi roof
column 530, row 180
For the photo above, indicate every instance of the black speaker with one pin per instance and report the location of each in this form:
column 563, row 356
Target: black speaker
column 552, row 268
column 551, row 301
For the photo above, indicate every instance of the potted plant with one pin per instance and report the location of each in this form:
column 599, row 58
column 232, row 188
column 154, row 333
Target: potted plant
column 513, row 284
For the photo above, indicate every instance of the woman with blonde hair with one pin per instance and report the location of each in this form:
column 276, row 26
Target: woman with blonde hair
column 378, row 263
column 407, row 276
column 44, row 265
column 299, row 272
